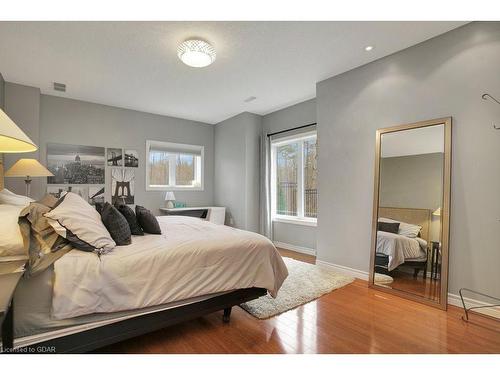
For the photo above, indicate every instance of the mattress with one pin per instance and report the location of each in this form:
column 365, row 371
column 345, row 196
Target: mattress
column 400, row 248
column 33, row 322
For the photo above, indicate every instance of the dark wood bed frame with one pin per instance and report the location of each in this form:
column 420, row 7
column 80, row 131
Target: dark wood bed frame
column 96, row 338
column 382, row 263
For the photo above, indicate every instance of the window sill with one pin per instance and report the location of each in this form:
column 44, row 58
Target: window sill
column 304, row 222
column 175, row 188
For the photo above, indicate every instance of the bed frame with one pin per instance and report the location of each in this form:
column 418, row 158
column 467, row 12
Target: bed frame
column 417, row 216
column 99, row 337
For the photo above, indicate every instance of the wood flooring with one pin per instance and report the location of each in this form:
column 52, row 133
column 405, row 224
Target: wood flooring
column 353, row 319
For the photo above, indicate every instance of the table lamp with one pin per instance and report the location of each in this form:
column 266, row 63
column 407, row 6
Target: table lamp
column 170, row 198
column 13, row 139
column 28, row 168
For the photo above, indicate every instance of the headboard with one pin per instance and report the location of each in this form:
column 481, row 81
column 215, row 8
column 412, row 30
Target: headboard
column 417, row 216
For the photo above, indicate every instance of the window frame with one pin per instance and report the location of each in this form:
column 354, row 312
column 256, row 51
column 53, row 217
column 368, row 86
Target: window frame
column 199, row 168
column 300, row 218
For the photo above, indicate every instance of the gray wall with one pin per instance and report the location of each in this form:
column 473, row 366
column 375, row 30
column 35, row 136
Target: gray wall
column 443, row 76
column 77, row 122
column 413, row 181
column 237, row 169
column 300, row 114
column 50, row 119
column 22, row 104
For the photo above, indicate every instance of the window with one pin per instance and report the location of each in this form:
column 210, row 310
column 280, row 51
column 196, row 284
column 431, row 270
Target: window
column 174, row 166
column 294, row 175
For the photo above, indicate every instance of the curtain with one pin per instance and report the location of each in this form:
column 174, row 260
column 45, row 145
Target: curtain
column 266, row 225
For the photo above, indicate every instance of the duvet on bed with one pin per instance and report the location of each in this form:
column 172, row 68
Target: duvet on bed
column 400, row 248
column 190, row 258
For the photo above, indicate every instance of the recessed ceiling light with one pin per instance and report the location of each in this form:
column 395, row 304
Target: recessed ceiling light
column 196, row 53
column 368, row 48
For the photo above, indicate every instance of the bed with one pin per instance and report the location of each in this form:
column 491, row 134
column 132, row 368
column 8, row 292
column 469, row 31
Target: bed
column 85, row 301
column 397, row 251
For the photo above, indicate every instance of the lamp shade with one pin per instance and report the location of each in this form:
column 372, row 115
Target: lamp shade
column 437, row 212
column 169, row 196
column 13, row 139
column 28, row 167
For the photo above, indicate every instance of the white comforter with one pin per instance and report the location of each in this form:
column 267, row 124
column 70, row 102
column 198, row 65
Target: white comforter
column 191, row 258
column 399, row 248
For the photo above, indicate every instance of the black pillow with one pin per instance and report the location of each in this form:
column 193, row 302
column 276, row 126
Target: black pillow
column 129, row 214
column 147, row 220
column 388, row 227
column 116, row 224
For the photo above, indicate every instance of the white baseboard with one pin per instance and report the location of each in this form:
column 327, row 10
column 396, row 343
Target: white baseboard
column 453, row 299
column 344, row 270
column 298, row 249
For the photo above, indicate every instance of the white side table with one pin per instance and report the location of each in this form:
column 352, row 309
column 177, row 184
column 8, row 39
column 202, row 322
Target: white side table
column 216, row 215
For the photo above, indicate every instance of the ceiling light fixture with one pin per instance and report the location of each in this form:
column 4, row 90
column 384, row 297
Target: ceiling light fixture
column 368, row 48
column 196, row 53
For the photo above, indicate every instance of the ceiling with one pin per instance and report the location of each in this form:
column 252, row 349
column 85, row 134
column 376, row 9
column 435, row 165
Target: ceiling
column 134, row 64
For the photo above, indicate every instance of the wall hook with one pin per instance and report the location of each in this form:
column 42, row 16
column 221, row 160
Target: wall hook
column 487, row 96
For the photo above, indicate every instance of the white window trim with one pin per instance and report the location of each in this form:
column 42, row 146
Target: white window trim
column 199, row 167
column 306, row 221
column 300, row 219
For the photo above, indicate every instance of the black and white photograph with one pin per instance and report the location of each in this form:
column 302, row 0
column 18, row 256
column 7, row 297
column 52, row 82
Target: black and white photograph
column 114, row 157
column 122, row 185
column 75, row 164
column 58, row 191
column 96, row 195
column 131, row 158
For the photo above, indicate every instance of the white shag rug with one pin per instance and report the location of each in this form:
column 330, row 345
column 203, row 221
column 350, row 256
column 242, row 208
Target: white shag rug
column 305, row 282
column 380, row 278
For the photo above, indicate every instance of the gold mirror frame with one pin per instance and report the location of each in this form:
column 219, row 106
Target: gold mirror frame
column 445, row 211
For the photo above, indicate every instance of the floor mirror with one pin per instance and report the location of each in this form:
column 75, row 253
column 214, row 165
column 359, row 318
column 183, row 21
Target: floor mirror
column 411, row 211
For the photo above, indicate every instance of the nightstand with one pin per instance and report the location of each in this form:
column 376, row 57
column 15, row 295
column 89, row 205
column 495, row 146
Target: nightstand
column 435, row 265
column 10, row 274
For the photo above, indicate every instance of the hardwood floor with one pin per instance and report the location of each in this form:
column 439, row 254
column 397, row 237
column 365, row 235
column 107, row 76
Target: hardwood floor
column 353, row 319
column 298, row 256
column 427, row 288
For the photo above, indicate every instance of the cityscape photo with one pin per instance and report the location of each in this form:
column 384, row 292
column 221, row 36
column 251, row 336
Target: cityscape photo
column 75, row 164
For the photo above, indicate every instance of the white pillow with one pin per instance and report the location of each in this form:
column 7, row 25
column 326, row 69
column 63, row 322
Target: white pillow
column 8, row 197
column 11, row 240
column 405, row 229
column 82, row 224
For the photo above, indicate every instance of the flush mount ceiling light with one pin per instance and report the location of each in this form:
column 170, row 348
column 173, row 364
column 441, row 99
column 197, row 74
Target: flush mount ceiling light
column 196, row 53
column 368, row 48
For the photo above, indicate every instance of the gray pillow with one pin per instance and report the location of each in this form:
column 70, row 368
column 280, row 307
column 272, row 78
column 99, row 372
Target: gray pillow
column 129, row 215
column 147, row 220
column 388, row 227
column 116, row 224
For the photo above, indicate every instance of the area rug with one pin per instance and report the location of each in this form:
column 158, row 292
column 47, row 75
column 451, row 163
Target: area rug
column 305, row 282
column 380, row 278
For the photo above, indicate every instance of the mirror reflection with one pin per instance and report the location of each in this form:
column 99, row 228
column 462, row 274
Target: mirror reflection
column 409, row 225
